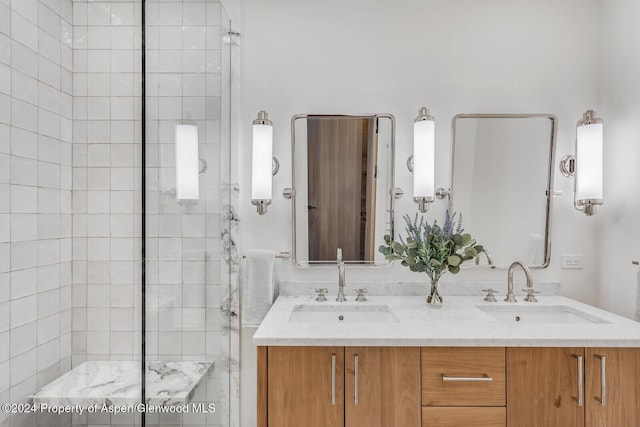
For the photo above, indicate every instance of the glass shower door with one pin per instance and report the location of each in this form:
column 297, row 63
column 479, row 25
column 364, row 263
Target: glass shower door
column 187, row 279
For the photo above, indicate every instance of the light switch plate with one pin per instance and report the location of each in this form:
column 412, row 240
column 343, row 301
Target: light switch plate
column 572, row 261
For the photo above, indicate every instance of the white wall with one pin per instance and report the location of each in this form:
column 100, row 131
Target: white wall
column 617, row 239
column 395, row 57
column 500, row 56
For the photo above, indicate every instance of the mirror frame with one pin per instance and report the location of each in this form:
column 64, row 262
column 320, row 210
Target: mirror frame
column 391, row 195
column 550, row 175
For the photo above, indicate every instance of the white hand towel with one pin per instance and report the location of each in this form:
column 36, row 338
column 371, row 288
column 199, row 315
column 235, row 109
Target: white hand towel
column 637, row 317
column 258, row 293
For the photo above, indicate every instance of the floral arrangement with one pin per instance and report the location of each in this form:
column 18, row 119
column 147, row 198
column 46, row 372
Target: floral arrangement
column 432, row 249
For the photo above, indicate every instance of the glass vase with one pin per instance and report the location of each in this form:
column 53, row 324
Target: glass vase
column 434, row 298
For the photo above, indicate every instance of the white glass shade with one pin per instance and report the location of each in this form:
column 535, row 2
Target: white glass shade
column 589, row 163
column 187, row 163
column 261, row 162
column 424, row 158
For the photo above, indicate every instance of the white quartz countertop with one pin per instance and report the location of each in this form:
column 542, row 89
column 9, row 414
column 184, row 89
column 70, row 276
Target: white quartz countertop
column 459, row 322
column 119, row 383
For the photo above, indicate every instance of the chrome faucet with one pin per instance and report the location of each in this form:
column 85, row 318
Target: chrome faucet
column 340, row 262
column 489, row 258
column 510, row 296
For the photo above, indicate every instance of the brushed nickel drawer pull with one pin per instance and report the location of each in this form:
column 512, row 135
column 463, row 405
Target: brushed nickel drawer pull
column 482, row 379
column 355, row 388
column 580, row 398
column 603, row 380
column 333, row 379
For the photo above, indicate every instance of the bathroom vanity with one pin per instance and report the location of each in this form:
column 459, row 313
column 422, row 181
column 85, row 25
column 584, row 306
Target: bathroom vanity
column 392, row 361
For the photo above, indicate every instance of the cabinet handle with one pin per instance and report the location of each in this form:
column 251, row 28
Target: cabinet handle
column 482, row 379
column 333, row 379
column 355, row 388
column 580, row 398
column 603, row 380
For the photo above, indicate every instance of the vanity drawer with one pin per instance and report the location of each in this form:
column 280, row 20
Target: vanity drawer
column 467, row 417
column 461, row 376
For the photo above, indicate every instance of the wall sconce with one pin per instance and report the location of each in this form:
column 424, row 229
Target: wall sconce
column 422, row 163
column 187, row 163
column 587, row 165
column 263, row 164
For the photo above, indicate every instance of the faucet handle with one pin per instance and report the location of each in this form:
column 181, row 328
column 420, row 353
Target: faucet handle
column 360, row 295
column 490, row 295
column 321, row 294
column 530, row 294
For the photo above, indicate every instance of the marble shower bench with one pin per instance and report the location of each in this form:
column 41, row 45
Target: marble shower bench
column 118, row 383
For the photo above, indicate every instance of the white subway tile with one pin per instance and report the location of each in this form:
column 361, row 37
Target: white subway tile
column 48, row 354
column 99, row 37
column 24, row 143
column 24, row 115
column 23, row 311
column 98, row 319
column 98, row 14
column 24, row 227
column 194, row 14
column 48, row 303
column 23, row 367
column 24, row 199
column 170, row 14
column 99, row 84
column 5, row 325
column 24, row 31
column 48, row 328
column 97, row 342
column 194, row 37
column 98, row 61
column 23, row 338
column 122, row 14
column 49, row 72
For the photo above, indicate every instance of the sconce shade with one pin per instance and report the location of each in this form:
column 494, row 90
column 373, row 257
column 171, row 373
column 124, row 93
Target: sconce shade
column 187, row 163
column 424, row 128
column 262, row 161
column 589, row 163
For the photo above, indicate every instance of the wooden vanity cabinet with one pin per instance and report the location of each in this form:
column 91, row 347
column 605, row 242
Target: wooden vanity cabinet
column 620, row 385
column 543, row 387
column 338, row 386
column 463, row 386
column 304, row 386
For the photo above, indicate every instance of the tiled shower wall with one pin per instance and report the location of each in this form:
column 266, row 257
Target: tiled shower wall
column 106, row 180
column 35, row 198
column 185, row 296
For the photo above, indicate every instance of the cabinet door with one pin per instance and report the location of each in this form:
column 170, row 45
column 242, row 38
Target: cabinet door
column 441, row 416
column 612, row 387
column 305, row 386
column 544, row 386
column 382, row 387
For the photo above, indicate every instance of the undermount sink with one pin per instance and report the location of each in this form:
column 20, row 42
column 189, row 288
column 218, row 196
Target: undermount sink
column 542, row 314
column 337, row 313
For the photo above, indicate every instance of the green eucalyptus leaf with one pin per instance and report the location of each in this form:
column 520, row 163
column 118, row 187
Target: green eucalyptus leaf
column 478, row 248
column 387, row 239
column 397, row 247
column 466, row 238
column 454, row 260
column 454, row 269
column 457, row 239
column 434, row 262
column 410, row 260
column 470, row 252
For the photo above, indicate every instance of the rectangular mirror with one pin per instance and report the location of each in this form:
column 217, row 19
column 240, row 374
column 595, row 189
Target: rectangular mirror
column 342, row 169
column 502, row 184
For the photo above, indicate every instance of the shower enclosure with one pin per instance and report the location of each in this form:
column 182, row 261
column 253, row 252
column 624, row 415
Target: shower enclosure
column 116, row 290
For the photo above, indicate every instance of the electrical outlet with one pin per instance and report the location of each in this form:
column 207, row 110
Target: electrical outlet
column 571, row 261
